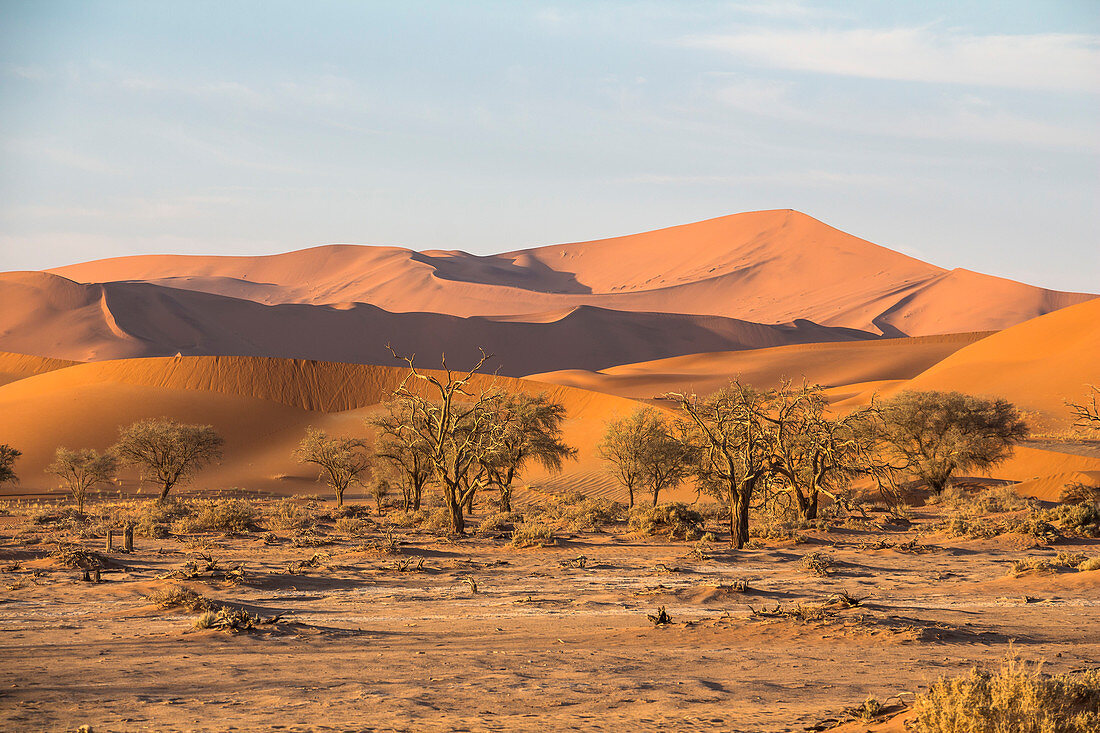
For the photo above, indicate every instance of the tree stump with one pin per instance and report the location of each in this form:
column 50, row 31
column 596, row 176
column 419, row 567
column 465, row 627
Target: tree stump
column 110, row 540
column 128, row 538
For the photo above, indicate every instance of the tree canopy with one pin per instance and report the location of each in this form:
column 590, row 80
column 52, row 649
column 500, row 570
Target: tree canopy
column 167, row 451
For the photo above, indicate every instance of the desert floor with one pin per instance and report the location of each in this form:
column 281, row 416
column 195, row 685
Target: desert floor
column 473, row 634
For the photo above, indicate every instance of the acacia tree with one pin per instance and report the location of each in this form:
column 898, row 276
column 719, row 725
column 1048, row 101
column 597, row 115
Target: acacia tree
column 456, row 427
column 527, row 429
column 404, row 450
column 343, row 460
column 934, row 434
column 167, row 451
column 8, row 456
column 731, row 444
column 625, row 446
column 814, row 454
column 1086, row 413
column 80, row 470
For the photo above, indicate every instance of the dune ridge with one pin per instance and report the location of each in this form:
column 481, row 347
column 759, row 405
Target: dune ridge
column 744, row 266
column 42, row 313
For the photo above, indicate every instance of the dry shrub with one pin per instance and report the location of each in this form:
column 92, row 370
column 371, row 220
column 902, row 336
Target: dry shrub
column 1016, row 697
column 675, row 521
column 75, row 556
column 1082, row 520
column 1080, row 493
column 407, row 519
column 574, row 512
column 228, row 619
column 497, row 522
column 175, row 596
column 288, row 514
column 993, row 500
column 531, row 534
column 818, row 563
column 225, row 515
column 353, row 526
column 357, row 511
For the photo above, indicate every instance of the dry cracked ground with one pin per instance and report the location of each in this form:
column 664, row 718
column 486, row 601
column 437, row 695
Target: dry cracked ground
column 398, row 629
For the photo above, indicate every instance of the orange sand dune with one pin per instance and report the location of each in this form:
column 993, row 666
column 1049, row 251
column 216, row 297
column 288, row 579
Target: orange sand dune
column 261, row 406
column 1037, row 364
column 46, row 314
column 766, row 267
column 18, row 366
column 831, row 365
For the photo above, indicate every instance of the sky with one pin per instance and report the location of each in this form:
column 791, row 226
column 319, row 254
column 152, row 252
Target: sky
column 963, row 133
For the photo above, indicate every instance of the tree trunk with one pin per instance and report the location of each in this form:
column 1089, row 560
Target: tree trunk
column 80, row 504
column 739, row 516
column 811, row 511
column 630, row 489
column 655, row 492
column 458, row 521
column 339, row 497
column 505, row 498
column 164, row 490
column 416, row 497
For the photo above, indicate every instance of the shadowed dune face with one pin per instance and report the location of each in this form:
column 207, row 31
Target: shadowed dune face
column 49, row 315
column 765, row 267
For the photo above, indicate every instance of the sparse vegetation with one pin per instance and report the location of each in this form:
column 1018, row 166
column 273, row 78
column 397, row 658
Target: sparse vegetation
column 344, row 461
column 219, row 515
column 532, row 534
column 1015, row 697
column 175, row 596
column 167, row 451
column 80, row 470
column 674, row 521
column 931, row 435
column 818, row 563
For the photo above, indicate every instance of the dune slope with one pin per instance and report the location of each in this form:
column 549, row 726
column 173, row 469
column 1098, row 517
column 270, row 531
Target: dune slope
column 46, row 314
column 765, row 266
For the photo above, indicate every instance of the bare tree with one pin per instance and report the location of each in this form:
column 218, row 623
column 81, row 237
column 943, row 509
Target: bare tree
column 814, row 453
column 1086, row 413
column 343, row 461
column 80, row 470
column 527, row 428
column 934, row 434
column 625, row 446
column 8, row 456
column 456, row 426
column 404, row 449
column 167, row 451
column 731, row 445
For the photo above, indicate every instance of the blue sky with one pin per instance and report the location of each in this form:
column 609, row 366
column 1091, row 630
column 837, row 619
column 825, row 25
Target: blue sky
column 964, row 133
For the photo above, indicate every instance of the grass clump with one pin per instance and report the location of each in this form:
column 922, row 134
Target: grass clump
column 1016, row 697
column 1080, row 493
column 675, row 521
column 1082, row 520
column 573, row 511
column 353, row 526
column 497, row 522
column 178, row 597
column 228, row 619
column 230, row 516
column 288, row 514
column 532, row 534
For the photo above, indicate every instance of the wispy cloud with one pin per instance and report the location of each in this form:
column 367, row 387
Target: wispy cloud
column 1047, row 61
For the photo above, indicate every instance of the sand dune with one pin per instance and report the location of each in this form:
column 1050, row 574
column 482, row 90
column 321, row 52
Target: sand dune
column 18, row 366
column 831, row 365
column 261, row 406
column 766, row 267
column 46, row 314
column 1037, row 364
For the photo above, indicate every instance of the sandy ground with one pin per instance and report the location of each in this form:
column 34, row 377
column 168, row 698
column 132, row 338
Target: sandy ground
column 374, row 640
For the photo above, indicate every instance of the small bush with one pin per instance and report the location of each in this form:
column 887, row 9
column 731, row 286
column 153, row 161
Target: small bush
column 1017, row 697
column 227, row 515
column 575, row 512
column 407, row 519
column 1077, row 519
column 1093, row 563
column 353, row 526
column 228, row 619
column 675, row 521
column 497, row 522
column 178, row 597
column 532, row 534
column 1080, row 493
column 356, row 511
column 818, row 563
column 288, row 514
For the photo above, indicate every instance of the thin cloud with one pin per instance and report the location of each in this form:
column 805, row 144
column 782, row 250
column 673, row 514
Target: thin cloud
column 1067, row 62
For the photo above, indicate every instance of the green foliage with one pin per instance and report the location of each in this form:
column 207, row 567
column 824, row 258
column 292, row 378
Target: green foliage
column 935, row 434
column 8, row 456
column 167, row 451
